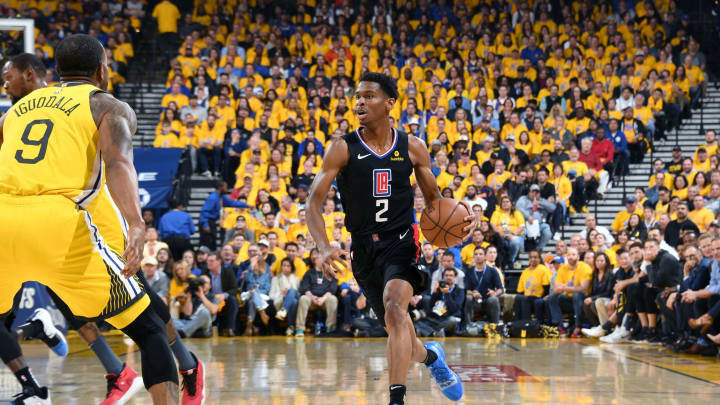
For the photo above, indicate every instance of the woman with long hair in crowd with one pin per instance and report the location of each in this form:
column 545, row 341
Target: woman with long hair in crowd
column 190, row 261
column 284, row 293
column 636, row 228
column 165, row 262
column 510, row 224
column 701, row 181
column 594, row 306
column 180, row 280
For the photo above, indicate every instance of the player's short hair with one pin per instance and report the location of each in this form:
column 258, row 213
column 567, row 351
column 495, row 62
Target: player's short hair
column 25, row 61
column 387, row 83
column 79, row 55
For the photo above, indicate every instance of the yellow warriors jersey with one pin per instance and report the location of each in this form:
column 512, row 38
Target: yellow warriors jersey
column 50, row 145
column 51, row 166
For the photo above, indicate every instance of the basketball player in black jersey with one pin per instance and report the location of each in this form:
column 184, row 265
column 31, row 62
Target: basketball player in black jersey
column 373, row 166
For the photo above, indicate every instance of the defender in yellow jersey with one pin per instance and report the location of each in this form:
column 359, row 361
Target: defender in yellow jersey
column 57, row 143
column 56, row 162
column 23, row 74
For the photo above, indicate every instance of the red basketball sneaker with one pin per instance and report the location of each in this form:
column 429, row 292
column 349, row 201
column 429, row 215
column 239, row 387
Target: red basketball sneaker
column 120, row 388
column 194, row 384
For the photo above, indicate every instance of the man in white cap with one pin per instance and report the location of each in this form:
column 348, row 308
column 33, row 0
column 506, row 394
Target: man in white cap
column 414, row 127
column 157, row 280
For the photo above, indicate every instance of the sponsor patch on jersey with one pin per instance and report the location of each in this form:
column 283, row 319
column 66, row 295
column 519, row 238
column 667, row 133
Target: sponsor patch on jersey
column 396, row 157
column 381, row 182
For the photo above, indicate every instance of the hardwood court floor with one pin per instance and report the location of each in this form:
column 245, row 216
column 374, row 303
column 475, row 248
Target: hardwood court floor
column 314, row 371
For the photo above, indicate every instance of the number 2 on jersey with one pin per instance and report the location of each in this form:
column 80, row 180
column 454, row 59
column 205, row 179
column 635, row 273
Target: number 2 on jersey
column 383, row 205
column 21, row 155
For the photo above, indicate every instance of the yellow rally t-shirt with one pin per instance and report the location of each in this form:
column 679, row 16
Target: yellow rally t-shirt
column 573, row 278
column 532, row 281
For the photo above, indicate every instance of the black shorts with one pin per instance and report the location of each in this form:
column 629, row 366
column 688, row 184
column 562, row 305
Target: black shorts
column 377, row 259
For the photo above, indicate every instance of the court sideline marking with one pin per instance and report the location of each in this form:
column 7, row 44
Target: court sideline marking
column 641, row 360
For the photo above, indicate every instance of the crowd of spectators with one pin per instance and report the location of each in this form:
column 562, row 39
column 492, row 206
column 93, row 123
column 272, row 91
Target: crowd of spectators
column 115, row 24
column 507, row 96
column 529, row 112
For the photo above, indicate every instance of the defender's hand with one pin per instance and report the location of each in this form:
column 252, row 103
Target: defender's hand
column 133, row 254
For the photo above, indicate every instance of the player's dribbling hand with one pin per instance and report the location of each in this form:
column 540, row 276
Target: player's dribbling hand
column 331, row 257
column 133, row 254
column 472, row 222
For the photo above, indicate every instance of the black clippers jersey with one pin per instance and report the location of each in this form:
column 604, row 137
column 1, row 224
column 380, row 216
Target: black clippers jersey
column 375, row 189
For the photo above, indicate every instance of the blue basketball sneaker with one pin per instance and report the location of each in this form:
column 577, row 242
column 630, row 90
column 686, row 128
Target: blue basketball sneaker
column 447, row 380
column 49, row 333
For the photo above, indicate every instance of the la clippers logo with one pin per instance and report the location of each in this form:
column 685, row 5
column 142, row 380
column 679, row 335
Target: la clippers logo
column 381, row 182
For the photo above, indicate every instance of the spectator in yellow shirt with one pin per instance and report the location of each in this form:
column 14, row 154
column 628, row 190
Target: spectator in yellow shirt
column 702, row 163
column 211, row 137
column 711, row 145
column 167, row 16
column 300, row 227
column 621, row 219
column 509, row 223
column 701, row 216
column 534, row 284
column 583, row 184
column 513, row 127
column 167, row 138
column 572, row 284
column 175, row 95
column 498, row 177
column 466, row 254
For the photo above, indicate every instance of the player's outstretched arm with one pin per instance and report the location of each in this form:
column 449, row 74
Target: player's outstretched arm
column 336, row 157
column 117, row 124
column 425, row 179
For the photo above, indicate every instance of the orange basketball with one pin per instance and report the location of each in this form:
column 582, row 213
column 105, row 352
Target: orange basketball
column 443, row 221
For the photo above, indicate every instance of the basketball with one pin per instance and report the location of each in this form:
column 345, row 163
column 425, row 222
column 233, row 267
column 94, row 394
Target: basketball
column 443, row 221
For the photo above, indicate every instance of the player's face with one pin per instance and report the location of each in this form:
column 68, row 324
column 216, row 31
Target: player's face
column 371, row 103
column 13, row 82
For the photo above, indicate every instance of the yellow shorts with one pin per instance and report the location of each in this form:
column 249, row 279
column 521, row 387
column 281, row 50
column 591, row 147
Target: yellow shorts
column 109, row 221
column 47, row 239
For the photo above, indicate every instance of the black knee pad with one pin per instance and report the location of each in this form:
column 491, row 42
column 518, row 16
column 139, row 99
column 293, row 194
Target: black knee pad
column 158, row 364
column 157, row 304
column 9, row 347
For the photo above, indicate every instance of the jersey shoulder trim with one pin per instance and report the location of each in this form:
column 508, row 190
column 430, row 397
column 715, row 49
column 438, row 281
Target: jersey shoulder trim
column 370, row 149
